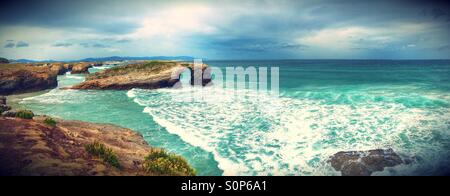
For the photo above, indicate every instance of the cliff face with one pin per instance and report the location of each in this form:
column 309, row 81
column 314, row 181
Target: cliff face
column 31, row 147
column 145, row 75
column 59, row 68
column 81, row 68
column 21, row 78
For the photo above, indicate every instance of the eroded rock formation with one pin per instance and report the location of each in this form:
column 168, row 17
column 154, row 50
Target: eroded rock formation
column 81, row 68
column 31, row 147
column 21, row 78
column 145, row 75
column 364, row 163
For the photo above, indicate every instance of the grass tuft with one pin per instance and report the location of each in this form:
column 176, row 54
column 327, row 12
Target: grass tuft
column 99, row 150
column 25, row 114
column 50, row 121
column 159, row 162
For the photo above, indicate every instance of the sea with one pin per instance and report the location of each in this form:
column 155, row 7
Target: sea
column 318, row 108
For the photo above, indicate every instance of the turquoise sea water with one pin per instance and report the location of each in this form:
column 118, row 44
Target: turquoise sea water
column 324, row 106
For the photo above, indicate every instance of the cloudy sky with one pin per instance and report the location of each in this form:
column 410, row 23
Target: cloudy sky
column 243, row 29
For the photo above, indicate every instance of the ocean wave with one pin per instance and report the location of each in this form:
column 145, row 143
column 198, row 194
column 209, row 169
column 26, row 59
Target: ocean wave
column 286, row 136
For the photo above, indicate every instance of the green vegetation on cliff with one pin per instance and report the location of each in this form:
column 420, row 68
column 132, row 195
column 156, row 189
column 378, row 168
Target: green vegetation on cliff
column 99, row 150
column 25, row 114
column 50, row 121
column 158, row 161
column 151, row 67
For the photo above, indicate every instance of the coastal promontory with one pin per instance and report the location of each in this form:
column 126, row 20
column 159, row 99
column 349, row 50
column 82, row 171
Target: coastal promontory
column 144, row 75
column 22, row 78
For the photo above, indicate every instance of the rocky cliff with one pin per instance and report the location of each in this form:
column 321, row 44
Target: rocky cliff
column 37, row 147
column 21, row 78
column 145, row 75
column 81, row 68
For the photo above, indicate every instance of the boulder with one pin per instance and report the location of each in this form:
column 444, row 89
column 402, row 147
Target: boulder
column 364, row 163
column 2, row 100
column 4, row 108
column 9, row 113
column 81, row 68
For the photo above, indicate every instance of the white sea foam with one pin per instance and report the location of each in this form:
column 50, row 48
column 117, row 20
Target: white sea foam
column 285, row 136
column 75, row 77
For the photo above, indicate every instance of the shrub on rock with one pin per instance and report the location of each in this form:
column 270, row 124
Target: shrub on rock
column 25, row 114
column 162, row 163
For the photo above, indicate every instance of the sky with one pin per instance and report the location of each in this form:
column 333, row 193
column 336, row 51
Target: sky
column 243, row 29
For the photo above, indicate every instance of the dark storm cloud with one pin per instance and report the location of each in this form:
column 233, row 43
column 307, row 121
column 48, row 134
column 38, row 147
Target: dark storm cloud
column 100, row 45
column 92, row 15
column 249, row 27
column 62, row 45
column 446, row 47
column 22, row 44
column 112, row 16
column 94, row 45
column 252, row 45
column 12, row 44
column 9, row 45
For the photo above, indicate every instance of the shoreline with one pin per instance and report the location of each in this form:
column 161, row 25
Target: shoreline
column 39, row 126
column 15, row 99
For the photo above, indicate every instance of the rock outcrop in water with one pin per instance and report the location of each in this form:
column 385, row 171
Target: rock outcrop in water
column 144, row 75
column 37, row 147
column 364, row 163
column 59, row 68
column 21, row 78
column 3, row 106
column 81, row 68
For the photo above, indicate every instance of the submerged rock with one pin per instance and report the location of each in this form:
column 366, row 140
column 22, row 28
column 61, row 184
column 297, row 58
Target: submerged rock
column 364, row 163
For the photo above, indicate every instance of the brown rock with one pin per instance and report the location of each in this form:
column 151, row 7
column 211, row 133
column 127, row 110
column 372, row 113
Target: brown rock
column 2, row 100
column 96, row 64
column 145, row 75
column 81, row 68
column 4, row 108
column 9, row 113
column 363, row 163
column 68, row 66
column 58, row 68
column 30, row 147
column 21, row 78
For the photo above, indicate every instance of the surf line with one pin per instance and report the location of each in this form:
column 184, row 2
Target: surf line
column 198, row 186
